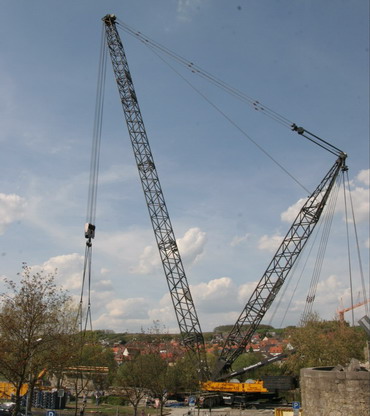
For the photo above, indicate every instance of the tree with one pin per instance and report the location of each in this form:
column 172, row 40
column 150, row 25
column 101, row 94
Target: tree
column 250, row 358
column 324, row 343
column 149, row 373
column 184, row 374
column 34, row 315
column 159, row 379
column 132, row 377
column 90, row 364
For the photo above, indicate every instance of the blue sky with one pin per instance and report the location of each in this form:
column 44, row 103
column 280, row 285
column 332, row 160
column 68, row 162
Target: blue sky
column 307, row 60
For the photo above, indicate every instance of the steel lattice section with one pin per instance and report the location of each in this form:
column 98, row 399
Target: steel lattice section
column 278, row 269
column 163, row 231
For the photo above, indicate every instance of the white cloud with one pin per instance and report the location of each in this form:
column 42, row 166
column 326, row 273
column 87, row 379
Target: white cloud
column 291, row 213
column 103, row 285
column 364, row 177
column 165, row 313
column 359, row 196
column 124, row 315
column 132, row 308
column 216, row 302
column 239, row 239
column 125, row 247
column 69, row 270
column 270, row 243
column 12, row 208
column 214, row 291
column 149, row 260
column 328, row 286
column 361, row 204
column 117, row 173
column 245, row 292
column 332, row 294
column 191, row 247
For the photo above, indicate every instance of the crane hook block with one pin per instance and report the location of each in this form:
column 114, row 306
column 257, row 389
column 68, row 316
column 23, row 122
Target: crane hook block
column 89, row 230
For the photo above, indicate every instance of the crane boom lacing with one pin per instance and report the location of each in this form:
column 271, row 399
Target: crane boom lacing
column 170, row 256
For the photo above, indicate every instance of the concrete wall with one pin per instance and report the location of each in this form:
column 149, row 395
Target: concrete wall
column 328, row 392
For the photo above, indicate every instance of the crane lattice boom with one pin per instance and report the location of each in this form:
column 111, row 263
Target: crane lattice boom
column 278, row 269
column 171, row 260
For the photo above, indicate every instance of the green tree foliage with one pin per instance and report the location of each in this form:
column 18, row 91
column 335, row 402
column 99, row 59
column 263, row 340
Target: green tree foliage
column 160, row 378
column 90, row 364
column 184, row 374
column 132, row 377
column 225, row 329
column 145, row 373
column 324, row 343
column 250, row 358
column 35, row 317
column 150, row 374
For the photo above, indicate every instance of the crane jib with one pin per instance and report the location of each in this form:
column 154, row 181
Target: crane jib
column 278, row 269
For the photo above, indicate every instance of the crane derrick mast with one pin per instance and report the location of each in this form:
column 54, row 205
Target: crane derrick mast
column 170, row 256
column 277, row 271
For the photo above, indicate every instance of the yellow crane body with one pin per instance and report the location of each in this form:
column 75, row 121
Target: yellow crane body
column 8, row 389
column 254, row 387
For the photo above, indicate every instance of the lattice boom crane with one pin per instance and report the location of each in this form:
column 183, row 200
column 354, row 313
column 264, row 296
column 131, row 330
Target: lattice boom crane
column 279, row 267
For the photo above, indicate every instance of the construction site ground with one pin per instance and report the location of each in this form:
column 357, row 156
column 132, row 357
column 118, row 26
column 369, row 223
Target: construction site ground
column 175, row 411
column 108, row 410
column 226, row 411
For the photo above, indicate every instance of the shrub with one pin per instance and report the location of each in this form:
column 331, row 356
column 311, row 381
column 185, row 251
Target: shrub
column 114, row 400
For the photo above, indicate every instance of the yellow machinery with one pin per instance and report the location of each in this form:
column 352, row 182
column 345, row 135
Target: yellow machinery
column 8, row 389
column 255, row 386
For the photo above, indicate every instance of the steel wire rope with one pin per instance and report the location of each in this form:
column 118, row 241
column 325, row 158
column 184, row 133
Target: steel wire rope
column 243, row 132
column 256, row 105
column 93, row 186
column 300, row 275
column 311, row 296
column 364, row 292
column 79, row 316
column 291, row 276
column 321, row 253
column 154, row 46
column 324, row 144
column 328, row 219
column 277, row 303
column 348, row 253
column 290, row 279
column 312, row 245
column 97, row 130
